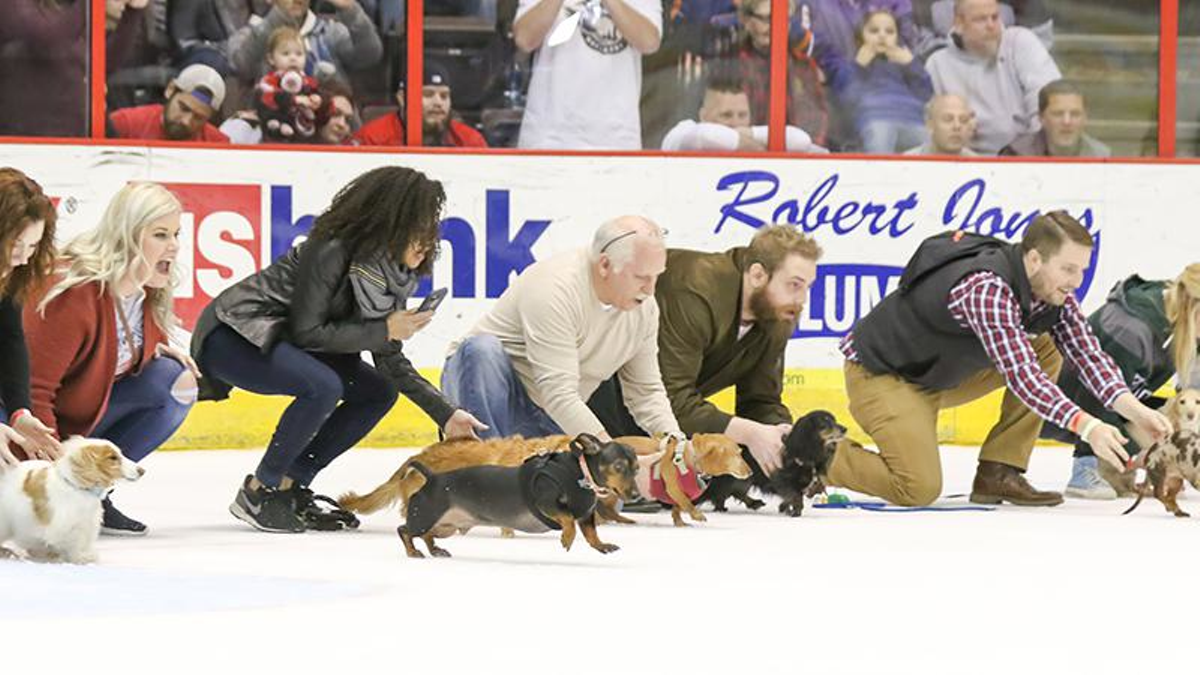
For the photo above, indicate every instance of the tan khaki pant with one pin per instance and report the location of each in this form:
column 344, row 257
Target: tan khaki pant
column 902, row 420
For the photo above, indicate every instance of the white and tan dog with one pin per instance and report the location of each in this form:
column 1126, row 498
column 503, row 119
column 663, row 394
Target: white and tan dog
column 52, row 509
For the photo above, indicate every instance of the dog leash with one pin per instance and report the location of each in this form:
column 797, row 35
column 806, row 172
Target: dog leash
column 884, row 507
column 1140, row 477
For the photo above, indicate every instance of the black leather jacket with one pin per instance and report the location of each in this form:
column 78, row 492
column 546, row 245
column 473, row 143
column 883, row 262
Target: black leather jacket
column 305, row 298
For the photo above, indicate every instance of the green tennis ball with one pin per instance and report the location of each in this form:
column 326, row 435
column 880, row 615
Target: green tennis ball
column 838, row 499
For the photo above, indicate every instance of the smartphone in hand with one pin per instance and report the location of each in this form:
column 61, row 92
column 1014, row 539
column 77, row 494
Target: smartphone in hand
column 432, row 300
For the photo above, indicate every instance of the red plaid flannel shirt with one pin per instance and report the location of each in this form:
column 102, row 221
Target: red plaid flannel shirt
column 986, row 304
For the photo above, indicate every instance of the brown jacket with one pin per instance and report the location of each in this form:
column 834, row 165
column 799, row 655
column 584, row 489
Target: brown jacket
column 700, row 298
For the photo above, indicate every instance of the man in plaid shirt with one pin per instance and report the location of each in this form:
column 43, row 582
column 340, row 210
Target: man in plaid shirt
column 974, row 314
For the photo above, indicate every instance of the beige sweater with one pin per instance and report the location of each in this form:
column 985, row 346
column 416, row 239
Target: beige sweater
column 564, row 342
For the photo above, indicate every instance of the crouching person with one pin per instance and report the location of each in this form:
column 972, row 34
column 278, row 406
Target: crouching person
column 298, row 327
column 101, row 363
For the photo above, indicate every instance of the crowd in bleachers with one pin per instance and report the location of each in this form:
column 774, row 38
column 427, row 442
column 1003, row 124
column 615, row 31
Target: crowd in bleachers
column 873, row 76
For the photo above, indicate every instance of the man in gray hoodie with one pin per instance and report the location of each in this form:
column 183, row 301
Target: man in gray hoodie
column 998, row 70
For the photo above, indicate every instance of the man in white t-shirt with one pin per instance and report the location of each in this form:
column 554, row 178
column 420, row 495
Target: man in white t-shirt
column 584, row 93
column 565, row 325
column 724, row 124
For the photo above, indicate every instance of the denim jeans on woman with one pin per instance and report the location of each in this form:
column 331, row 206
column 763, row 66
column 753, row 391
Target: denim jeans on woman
column 339, row 398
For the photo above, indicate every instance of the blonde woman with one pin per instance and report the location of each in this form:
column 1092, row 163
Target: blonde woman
column 101, row 361
column 1149, row 329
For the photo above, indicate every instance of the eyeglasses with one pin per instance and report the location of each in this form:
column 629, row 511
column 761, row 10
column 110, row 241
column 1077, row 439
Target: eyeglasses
column 662, row 232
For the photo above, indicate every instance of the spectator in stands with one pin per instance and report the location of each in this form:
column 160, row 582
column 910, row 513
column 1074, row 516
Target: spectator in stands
column 565, row 325
column 584, row 93
column 201, row 29
column 807, row 107
column 286, row 99
column 951, row 124
column 44, row 52
column 724, row 124
column 335, row 45
column 1063, row 114
column 883, row 87
column 341, row 120
column 27, row 223
column 998, row 70
column 336, row 121
column 935, row 18
column 193, row 97
column 835, row 25
column 440, row 129
column 104, row 365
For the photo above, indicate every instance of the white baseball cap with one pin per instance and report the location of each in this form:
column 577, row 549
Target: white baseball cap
column 200, row 76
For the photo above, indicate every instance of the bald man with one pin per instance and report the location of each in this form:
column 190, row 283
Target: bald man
column 564, row 326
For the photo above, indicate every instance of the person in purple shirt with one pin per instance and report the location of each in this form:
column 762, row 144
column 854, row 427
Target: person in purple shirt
column 883, row 88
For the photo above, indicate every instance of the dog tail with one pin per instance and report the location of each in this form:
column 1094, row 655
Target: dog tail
column 390, row 492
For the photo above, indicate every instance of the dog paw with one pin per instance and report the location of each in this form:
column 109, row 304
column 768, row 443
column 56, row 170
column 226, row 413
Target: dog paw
column 720, row 508
column 439, row 552
column 507, row 533
column 755, row 504
column 415, row 554
column 1182, row 514
column 698, row 517
column 607, row 548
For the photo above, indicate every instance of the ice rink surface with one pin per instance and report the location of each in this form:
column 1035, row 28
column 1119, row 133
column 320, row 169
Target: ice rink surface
column 1073, row 589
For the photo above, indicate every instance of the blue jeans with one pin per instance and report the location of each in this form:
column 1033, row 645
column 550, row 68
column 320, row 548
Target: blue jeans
column 480, row 379
column 339, row 398
column 142, row 412
column 885, row 137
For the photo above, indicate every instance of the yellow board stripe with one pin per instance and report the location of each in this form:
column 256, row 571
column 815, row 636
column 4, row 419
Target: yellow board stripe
column 247, row 420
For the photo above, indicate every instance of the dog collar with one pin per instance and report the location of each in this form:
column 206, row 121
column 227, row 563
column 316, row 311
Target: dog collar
column 587, row 482
column 98, row 492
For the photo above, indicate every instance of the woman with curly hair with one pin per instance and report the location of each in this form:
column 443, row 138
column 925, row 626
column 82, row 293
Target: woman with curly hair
column 298, row 327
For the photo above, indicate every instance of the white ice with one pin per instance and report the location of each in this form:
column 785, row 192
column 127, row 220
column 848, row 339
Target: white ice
column 1073, row 589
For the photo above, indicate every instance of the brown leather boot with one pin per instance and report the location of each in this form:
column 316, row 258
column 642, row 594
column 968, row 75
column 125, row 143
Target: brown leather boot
column 996, row 482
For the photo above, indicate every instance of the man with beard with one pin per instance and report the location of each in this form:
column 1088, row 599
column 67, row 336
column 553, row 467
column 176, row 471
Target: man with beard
column 192, row 99
column 725, row 320
column 973, row 314
column 439, row 128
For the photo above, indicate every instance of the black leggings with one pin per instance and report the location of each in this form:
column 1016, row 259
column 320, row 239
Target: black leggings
column 314, row 430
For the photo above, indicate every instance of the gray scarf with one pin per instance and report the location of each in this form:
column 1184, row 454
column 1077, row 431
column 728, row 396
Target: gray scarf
column 381, row 286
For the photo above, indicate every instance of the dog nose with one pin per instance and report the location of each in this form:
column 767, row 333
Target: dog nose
column 141, row 472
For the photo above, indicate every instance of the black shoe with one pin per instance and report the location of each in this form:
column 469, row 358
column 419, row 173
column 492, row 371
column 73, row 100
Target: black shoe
column 641, row 505
column 118, row 524
column 315, row 517
column 266, row 508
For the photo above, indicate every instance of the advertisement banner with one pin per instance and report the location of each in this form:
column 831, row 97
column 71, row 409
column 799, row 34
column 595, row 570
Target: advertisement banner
column 504, row 212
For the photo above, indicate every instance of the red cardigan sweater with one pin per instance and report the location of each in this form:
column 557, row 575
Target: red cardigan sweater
column 73, row 356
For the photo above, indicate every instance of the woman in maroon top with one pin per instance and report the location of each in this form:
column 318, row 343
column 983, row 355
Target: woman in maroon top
column 27, row 220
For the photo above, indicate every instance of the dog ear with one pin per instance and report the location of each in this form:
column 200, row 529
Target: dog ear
column 585, row 444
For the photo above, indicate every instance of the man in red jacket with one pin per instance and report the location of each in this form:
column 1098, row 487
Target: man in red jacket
column 192, row 99
column 440, row 129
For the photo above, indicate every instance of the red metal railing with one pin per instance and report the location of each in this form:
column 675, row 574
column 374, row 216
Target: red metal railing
column 1168, row 56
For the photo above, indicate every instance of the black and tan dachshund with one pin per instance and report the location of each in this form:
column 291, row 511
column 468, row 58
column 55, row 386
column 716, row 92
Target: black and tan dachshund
column 547, row 492
column 807, row 452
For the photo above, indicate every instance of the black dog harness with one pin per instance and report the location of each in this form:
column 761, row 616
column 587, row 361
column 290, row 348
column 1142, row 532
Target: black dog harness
column 576, row 494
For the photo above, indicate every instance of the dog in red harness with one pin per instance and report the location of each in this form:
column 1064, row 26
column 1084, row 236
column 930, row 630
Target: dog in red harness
column 675, row 473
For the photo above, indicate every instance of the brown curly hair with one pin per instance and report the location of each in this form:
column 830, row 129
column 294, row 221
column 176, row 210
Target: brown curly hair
column 22, row 202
